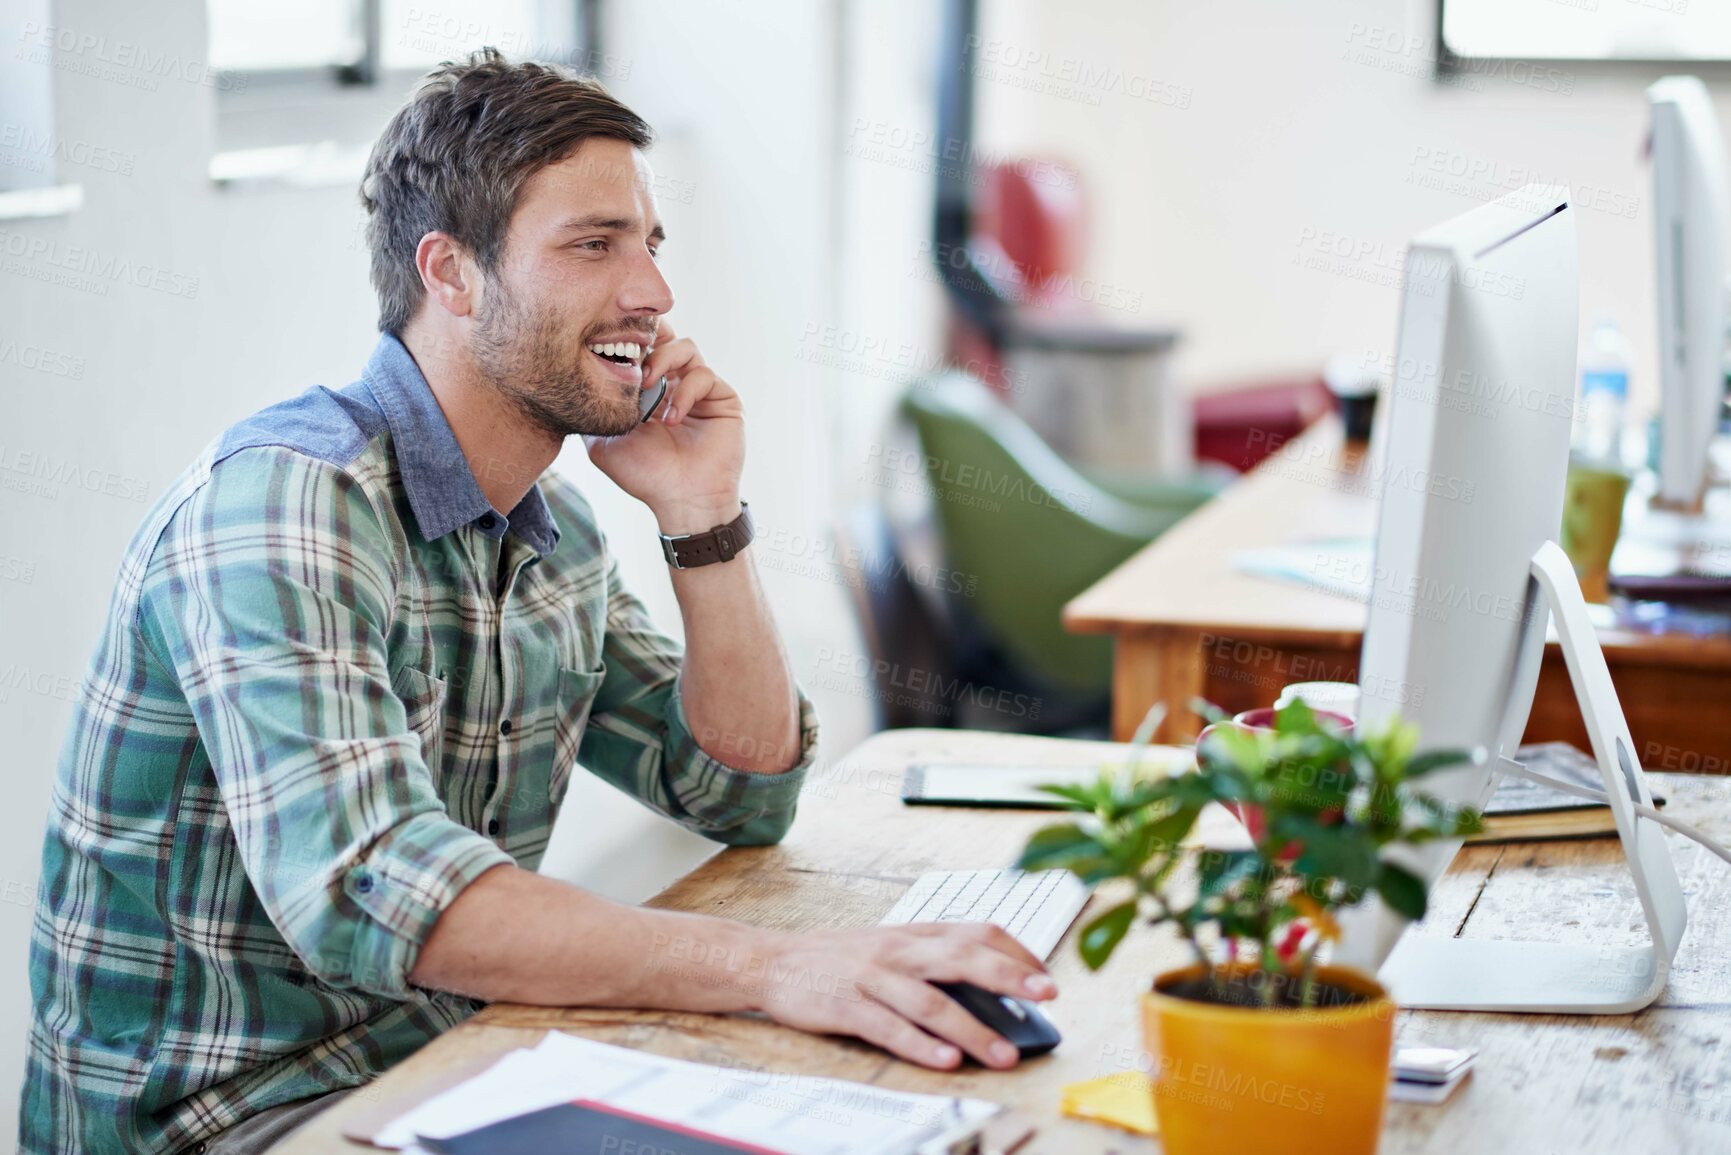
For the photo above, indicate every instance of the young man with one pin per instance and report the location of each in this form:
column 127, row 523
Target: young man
column 355, row 652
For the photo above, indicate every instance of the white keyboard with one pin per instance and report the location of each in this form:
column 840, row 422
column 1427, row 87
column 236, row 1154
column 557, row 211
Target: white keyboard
column 1036, row 908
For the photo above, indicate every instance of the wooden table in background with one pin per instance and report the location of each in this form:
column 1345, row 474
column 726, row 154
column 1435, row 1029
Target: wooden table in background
column 1658, row 1082
column 1185, row 622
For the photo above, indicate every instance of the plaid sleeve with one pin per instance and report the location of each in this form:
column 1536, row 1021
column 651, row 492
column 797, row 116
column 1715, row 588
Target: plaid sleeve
column 269, row 595
column 639, row 740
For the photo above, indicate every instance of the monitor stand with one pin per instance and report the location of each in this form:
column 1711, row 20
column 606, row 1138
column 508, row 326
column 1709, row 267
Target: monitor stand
column 1463, row 974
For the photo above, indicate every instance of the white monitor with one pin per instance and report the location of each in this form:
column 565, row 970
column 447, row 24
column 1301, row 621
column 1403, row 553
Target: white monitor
column 1467, row 573
column 1691, row 201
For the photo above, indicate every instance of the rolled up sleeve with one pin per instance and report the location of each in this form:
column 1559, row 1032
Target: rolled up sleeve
column 639, row 739
column 269, row 595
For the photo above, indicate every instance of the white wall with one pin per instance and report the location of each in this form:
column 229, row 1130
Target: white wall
column 1273, row 126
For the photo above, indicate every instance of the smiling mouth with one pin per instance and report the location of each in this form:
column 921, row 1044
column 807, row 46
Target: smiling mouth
column 621, row 353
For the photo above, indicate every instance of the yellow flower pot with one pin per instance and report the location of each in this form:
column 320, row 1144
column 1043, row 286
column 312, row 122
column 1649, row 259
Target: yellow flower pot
column 1230, row 1079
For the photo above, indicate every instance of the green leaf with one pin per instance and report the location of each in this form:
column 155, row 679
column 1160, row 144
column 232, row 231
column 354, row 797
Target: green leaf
column 1296, row 717
column 1060, row 847
column 1402, row 890
column 1079, row 797
column 1332, row 852
column 1220, row 869
column 1208, row 711
column 1102, row 935
column 1433, row 760
column 1228, row 746
column 1168, row 832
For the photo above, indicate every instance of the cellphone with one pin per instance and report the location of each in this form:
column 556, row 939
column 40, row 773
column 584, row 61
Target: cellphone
column 1432, row 1065
column 650, row 399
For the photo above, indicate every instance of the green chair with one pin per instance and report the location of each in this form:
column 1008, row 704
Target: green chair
column 1027, row 532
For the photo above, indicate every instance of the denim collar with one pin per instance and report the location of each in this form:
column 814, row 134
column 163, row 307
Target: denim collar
column 440, row 484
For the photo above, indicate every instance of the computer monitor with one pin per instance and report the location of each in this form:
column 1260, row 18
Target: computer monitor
column 1691, row 200
column 1467, row 574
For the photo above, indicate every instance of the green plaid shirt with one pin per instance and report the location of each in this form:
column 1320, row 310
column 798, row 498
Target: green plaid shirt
column 335, row 686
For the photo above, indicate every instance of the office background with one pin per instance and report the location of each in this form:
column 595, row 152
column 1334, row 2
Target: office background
column 1254, row 169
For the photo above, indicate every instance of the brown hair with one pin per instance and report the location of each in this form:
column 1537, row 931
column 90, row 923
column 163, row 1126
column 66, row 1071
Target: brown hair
column 455, row 157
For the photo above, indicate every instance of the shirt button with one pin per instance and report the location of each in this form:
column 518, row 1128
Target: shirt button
column 487, row 521
column 492, row 826
column 505, row 726
column 364, row 883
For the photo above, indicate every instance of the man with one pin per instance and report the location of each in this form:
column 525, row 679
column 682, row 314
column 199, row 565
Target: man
column 356, row 650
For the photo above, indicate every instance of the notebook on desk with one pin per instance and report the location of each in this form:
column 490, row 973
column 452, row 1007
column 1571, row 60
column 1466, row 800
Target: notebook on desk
column 1524, row 811
column 566, row 1091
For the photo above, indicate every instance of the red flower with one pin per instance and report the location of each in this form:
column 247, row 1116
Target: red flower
column 1296, row 931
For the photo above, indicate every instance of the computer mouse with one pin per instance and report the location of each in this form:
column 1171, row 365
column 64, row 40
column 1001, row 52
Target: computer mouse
column 1017, row 1020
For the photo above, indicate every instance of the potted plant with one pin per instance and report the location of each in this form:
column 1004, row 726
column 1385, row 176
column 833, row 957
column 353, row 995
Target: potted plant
column 1257, row 1041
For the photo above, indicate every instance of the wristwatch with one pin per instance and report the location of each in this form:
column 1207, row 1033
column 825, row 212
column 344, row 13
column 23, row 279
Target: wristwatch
column 690, row 550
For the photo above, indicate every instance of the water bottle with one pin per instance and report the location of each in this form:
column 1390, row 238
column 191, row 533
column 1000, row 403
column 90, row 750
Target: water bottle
column 1605, row 361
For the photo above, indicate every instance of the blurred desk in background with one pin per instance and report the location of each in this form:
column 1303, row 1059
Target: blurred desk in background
column 1186, row 622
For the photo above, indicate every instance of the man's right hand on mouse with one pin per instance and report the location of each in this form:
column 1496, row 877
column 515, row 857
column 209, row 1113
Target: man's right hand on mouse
column 877, row 984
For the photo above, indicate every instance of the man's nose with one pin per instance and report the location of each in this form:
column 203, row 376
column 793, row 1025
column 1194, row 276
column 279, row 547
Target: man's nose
column 646, row 290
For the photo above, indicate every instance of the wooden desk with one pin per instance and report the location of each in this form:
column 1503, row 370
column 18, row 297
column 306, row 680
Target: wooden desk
column 1186, row 623
column 1655, row 1082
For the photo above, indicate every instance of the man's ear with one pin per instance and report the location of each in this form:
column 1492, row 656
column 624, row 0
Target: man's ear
column 448, row 274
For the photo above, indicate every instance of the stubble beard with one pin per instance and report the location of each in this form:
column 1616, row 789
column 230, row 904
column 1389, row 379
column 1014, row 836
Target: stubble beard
column 525, row 353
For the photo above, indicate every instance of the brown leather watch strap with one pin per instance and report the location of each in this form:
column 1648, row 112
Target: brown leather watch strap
column 689, row 550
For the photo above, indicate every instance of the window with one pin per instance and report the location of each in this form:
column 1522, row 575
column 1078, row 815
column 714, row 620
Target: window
column 305, row 85
column 1651, row 30
column 253, row 36
column 362, row 41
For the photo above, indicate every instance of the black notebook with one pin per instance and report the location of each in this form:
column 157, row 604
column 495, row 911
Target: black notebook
column 1524, row 811
column 586, row 1128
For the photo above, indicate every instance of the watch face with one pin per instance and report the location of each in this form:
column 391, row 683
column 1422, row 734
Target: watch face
column 649, row 400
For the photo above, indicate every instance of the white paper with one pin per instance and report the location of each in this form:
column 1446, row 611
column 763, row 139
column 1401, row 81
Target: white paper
column 796, row 1114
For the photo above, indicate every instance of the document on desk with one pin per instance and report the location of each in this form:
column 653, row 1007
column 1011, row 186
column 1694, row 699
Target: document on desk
column 1340, row 566
column 784, row 1114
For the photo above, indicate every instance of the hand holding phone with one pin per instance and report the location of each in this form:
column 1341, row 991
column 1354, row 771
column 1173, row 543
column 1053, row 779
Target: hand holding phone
column 686, row 464
column 652, row 396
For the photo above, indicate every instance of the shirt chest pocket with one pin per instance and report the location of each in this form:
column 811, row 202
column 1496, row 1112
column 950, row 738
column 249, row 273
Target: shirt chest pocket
column 577, row 690
column 423, row 698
